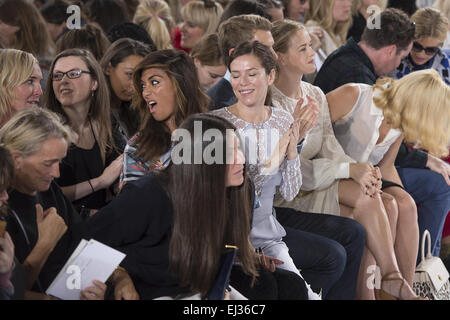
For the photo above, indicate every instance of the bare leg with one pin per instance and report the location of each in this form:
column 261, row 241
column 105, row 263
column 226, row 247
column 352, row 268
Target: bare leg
column 370, row 212
column 363, row 291
column 366, row 275
column 407, row 241
column 390, row 205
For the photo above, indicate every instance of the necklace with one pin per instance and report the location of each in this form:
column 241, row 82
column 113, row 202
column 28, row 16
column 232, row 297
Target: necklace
column 239, row 114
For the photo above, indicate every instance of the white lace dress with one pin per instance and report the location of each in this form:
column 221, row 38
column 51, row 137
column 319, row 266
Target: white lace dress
column 323, row 160
column 259, row 141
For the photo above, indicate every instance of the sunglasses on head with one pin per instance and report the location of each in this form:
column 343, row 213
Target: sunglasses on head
column 417, row 47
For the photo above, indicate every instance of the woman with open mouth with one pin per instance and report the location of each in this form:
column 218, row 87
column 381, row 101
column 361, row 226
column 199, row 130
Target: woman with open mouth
column 168, row 91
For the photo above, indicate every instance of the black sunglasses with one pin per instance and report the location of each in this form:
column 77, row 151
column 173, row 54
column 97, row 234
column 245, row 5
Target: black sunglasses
column 417, row 47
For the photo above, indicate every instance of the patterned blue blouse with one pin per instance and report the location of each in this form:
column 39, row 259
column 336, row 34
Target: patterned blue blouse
column 440, row 63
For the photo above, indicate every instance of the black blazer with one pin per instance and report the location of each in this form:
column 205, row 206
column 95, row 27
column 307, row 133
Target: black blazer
column 221, row 95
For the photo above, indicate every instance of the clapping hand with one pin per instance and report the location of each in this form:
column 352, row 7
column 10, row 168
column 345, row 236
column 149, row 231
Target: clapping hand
column 306, row 116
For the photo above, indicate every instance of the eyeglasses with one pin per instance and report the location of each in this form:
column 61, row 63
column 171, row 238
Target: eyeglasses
column 71, row 74
column 430, row 51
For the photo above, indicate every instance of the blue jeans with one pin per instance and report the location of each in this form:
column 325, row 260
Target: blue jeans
column 432, row 194
column 328, row 250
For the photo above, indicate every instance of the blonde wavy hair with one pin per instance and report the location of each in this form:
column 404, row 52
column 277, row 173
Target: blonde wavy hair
column 431, row 23
column 418, row 106
column 321, row 11
column 17, row 67
column 156, row 18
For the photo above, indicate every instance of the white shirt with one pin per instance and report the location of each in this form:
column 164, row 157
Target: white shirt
column 322, row 158
column 358, row 131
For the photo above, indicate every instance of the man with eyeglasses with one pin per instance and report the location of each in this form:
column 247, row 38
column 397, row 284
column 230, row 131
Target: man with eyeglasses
column 425, row 177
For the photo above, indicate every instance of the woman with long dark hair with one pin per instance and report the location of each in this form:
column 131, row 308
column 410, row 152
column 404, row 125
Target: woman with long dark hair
column 118, row 64
column 168, row 91
column 179, row 220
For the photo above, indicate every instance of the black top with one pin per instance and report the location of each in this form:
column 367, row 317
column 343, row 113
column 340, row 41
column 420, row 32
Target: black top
column 348, row 64
column 85, row 164
column 138, row 222
column 23, row 205
column 80, row 165
column 221, row 94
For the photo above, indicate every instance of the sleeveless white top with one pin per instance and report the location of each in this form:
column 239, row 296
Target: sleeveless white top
column 358, row 131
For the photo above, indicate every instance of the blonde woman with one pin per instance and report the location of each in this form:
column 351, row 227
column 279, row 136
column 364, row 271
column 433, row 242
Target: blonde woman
column 328, row 173
column 370, row 122
column 200, row 18
column 43, row 225
column 431, row 32
column 333, row 18
column 155, row 17
column 20, row 86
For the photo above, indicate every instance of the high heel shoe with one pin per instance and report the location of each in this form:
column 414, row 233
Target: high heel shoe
column 383, row 295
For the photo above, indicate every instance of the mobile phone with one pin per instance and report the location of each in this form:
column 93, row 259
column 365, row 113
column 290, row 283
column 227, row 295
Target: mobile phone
column 2, row 228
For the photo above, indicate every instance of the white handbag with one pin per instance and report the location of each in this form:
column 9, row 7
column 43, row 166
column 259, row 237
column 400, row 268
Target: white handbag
column 431, row 279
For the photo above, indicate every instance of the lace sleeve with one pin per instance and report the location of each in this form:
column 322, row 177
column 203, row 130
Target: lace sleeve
column 291, row 178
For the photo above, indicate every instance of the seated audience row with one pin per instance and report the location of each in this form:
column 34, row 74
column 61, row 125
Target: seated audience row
column 314, row 199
